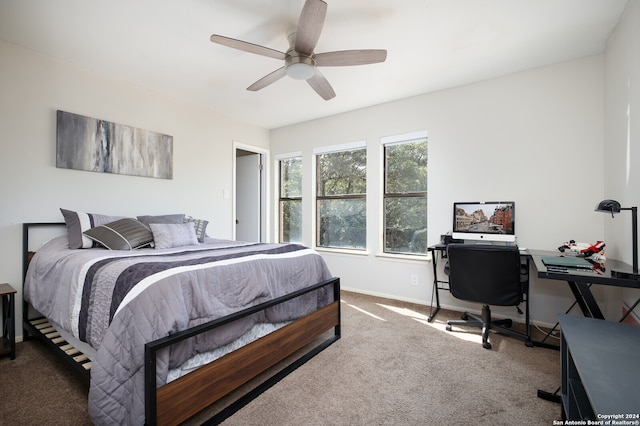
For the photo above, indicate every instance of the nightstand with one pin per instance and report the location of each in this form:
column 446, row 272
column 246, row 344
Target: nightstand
column 8, row 340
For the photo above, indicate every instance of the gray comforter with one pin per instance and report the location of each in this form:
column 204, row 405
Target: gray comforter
column 116, row 301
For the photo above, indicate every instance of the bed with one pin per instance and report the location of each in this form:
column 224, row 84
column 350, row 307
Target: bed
column 162, row 333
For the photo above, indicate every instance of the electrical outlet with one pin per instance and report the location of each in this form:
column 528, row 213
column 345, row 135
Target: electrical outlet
column 414, row 279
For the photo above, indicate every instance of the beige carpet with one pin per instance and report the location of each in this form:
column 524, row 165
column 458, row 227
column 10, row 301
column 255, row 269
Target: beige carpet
column 391, row 367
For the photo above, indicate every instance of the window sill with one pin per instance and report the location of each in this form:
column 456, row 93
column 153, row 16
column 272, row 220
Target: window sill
column 383, row 256
column 341, row 251
column 404, row 257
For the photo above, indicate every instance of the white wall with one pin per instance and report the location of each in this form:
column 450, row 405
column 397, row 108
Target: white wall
column 32, row 189
column 536, row 137
column 543, row 130
column 622, row 137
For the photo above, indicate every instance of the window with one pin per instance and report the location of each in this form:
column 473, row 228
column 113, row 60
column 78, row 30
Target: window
column 290, row 203
column 405, row 194
column 341, row 210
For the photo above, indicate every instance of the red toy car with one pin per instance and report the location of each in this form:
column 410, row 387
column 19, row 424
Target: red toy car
column 584, row 249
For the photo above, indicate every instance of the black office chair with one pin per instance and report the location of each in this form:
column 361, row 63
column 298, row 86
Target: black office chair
column 491, row 275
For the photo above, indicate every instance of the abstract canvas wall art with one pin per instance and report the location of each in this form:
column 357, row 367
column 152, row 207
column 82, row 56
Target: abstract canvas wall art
column 85, row 143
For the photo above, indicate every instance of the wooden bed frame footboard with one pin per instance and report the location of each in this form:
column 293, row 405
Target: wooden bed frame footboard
column 184, row 397
column 188, row 395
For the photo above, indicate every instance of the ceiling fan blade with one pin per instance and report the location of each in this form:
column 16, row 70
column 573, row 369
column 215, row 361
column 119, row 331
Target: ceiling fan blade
column 310, row 26
column 247, row 47
column 268, row 79
column 350, row 57
column 320, row 84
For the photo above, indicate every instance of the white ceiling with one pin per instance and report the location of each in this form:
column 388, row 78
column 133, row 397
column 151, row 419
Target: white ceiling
column 163, row 45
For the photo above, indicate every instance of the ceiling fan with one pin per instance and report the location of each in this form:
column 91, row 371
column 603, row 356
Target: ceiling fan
column 300, row 61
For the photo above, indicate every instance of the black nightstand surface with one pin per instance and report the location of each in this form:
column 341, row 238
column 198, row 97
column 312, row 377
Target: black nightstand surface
column 8, row 341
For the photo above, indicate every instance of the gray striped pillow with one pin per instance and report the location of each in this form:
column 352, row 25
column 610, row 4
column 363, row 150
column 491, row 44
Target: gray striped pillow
column 78, row 222
column 201, row 227
column 123, row 234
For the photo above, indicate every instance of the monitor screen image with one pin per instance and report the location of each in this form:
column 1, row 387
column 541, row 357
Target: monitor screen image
column 484, row 220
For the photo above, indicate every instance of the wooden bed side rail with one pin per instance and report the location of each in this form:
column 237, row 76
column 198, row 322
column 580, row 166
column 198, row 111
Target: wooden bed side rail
column 188, row 395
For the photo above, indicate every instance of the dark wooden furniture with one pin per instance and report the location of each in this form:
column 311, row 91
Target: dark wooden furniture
column 8, row 341
column 182, row 398
column 600, row 372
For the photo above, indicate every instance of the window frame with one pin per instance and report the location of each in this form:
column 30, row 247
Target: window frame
column 332, row 149
column 384, row 143
column 280, row 159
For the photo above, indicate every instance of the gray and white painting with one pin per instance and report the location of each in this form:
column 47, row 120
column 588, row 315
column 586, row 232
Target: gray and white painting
column 85, row 143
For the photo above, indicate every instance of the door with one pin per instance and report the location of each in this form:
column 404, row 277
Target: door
column 248, row 196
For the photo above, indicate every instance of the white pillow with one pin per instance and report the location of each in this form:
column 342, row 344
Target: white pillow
column 168, row 235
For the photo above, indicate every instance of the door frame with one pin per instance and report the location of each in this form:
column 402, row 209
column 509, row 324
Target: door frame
column 265, row 200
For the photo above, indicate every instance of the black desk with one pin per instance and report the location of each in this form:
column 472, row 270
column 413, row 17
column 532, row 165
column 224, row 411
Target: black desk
column 599, row 369
column 580, row 281
column 437, row 251
column 580, row 284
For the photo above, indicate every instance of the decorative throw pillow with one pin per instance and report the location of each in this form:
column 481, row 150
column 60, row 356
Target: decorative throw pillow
column 200, row 226
column 78, row 222
column 165, row 218
column 168, row 235
column 123, row 234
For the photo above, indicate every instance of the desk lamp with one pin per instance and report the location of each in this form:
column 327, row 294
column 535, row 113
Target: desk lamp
column 612, row 206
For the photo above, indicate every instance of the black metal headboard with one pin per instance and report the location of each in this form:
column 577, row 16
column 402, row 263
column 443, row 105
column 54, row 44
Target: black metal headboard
column 25, row 242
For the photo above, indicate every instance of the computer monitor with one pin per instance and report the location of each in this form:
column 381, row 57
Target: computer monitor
column 484, row 221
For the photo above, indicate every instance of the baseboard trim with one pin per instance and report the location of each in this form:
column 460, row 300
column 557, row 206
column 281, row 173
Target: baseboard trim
column 443, row 306
column 386, row 296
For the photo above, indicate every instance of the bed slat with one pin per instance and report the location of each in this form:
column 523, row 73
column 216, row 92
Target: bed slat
column 43, row 329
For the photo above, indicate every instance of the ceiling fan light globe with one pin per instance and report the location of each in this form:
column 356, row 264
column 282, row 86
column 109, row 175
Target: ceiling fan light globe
column 301, row 71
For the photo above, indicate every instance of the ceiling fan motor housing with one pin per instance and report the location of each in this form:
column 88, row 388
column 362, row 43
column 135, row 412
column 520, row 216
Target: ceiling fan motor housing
column 299, row 66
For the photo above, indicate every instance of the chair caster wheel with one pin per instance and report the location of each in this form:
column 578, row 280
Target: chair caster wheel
column 528, row 343
column 448, row 327
column 486, row 345
column 464, row 317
